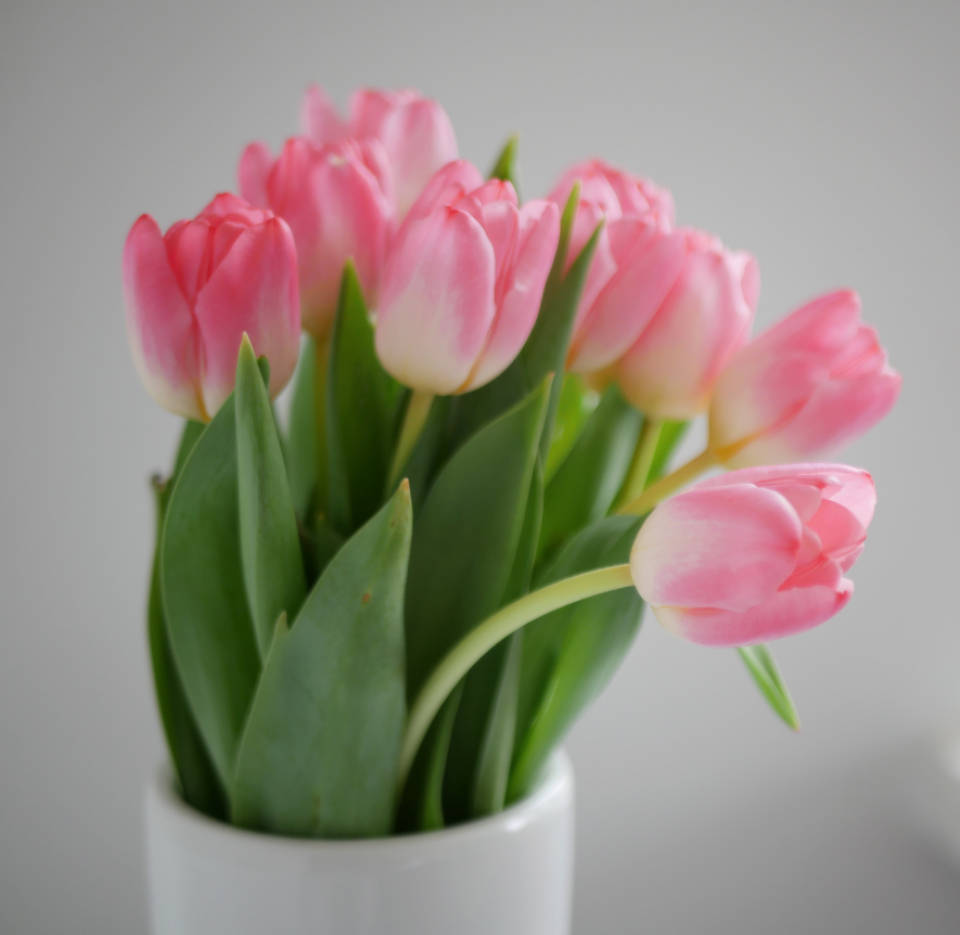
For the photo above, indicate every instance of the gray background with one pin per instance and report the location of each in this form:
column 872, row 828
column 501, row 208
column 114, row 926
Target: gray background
column 824, row 138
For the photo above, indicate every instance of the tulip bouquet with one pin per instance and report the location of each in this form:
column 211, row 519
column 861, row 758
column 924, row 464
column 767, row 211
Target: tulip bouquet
column 384, row 611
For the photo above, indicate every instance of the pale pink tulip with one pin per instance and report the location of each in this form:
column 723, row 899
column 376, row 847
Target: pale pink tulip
column 811, row 382
column 756, row 554
column 463, row 282
column 193, row 292
column 336, row 199
column 625, row 258
column 415, row 132
column 684, row 344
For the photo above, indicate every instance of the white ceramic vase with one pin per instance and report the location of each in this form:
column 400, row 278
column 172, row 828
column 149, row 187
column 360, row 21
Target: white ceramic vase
column 510, row 874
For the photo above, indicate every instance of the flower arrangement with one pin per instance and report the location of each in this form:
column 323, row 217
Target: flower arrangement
column 385, row 611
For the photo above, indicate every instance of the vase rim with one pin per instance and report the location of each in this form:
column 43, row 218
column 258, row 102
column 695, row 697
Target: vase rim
column 553, row 792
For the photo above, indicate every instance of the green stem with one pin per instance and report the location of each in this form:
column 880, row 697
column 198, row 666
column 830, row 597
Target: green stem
column 643, row 455
column 480, row 640
column 662, row 489
column 418, row 408
column 321, row 374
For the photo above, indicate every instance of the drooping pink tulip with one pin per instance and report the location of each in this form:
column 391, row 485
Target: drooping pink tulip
column 670, row 369
column 463, row 282
column 416, row 133
column 626, row 259
column 337, row 200
column 193, row 292
column 756, row 554
column 813, row 381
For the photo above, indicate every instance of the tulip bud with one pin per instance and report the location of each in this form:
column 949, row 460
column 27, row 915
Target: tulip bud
column 463, row 282
column 670, row 369
column 193, row 292
column 631, row 207
column 336, row 199
column 415, row 132
column 811, row 382
column 756, row 554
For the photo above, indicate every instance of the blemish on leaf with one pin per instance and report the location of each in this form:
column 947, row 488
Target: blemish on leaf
column 366, row 597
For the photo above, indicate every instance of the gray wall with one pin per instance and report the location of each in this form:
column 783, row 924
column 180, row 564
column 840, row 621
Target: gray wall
column 824, row 138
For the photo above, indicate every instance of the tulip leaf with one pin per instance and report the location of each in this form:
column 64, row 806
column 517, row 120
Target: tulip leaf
column 269, row 542
column 571, row 654
column 766, row 676
column 363, row 408
column 586, row 483
column 191, row 762
column 483, row 738
column 671, row 434
column 421, row 804
column 496, row 751
column 574, row 406
column 209, row 625
column 505, row 167
column 319, row 751
column 306, row 435
column 545, row 349
column 467, row 533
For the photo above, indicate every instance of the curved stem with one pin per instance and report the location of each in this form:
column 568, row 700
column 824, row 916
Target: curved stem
column 642, row 461
column 662, row 489
column 414, row 419
column 480, row 640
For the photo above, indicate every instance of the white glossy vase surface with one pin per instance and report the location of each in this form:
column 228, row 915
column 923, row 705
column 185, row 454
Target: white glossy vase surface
column 510, row 874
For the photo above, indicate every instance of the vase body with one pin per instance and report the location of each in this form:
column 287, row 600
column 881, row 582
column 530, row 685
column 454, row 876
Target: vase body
column 510, row 874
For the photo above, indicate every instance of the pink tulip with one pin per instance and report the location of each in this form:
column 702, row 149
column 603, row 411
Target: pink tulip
column 415, row 131
column 336, row 199
column 463, row 282
column 755, row 554
column 193, row 292
column 684, row 343
column 624, row 261
column 811, row 382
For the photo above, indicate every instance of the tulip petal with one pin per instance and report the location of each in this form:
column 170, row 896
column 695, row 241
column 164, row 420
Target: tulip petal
column 539, row 230
column 631, row 296
column 786, row 612
column 419, row 139
column 446, row 187
column 160, row 325
column 227, row 307
column 437, row 301
column 319, row 119
column 671, row 369
column 352, row 220
column 253, row 169
column 724, row 548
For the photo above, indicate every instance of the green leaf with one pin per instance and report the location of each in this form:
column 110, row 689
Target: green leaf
column 306, row 435
column 505, row 167
column 496, row 751
column 574, row 406
column 546, row 348
column 269, row 542
column 421, row 804
column 319, row 752
column 587, row 481
column 191, row 762
column 766, row 676
column 363, row 409
column 484, row 735
column 467, row 534
column 204, row 599
column 571, row 654
column 671, row 434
